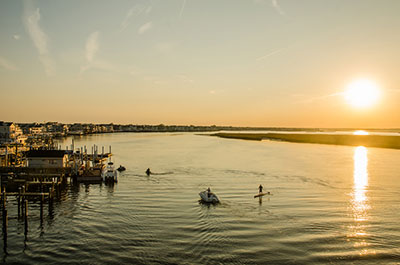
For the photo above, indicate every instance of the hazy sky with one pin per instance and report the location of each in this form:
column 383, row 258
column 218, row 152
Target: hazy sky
column 202, row 62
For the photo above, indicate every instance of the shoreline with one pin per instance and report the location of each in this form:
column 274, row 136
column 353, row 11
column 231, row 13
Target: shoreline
column 380, row 141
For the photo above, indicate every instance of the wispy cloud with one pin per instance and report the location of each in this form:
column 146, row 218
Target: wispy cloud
column 125, row 22
column 4, row 63
column 145, row 27
column 39, row 37
column 278, row 8
column 269, row 54
column 16, row 37
column 92, row 46
column 182, row 8
column 184, row 78
column 134, row 11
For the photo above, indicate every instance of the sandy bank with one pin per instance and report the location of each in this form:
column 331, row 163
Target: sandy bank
column 381, row 141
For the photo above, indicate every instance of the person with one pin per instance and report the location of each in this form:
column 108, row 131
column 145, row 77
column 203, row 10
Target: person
column 148, row 172
column 208, row 192
column 260, row 188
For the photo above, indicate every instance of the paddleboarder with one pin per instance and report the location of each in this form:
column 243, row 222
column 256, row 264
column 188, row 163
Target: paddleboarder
column 148, row 172
column 260, row 188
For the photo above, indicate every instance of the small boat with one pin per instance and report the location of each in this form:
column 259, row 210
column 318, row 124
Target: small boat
column 110, row 175
column 121, row 168
column 208, row 197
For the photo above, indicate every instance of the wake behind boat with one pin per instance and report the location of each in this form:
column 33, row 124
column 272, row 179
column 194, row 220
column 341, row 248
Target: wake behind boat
column 208, row 197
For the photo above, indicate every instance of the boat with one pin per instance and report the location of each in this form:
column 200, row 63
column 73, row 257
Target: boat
column 110, row 175
column 121, row 168
column 208, row 197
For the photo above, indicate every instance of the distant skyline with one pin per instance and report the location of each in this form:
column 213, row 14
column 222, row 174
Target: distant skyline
column 260, row 63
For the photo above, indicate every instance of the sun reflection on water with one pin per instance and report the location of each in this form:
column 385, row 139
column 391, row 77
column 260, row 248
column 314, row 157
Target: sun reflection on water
column 360, row 176
column 359, row 201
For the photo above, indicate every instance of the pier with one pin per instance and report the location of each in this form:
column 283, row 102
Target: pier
column 41, row 174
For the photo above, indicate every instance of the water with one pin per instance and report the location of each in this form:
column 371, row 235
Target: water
column 330, row 204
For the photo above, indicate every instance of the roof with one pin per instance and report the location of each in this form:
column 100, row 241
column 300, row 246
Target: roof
column 45, row 153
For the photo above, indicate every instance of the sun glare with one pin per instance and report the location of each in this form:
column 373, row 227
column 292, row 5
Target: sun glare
column 362, row 93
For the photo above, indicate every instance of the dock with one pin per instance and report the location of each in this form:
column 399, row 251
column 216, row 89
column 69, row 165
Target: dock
column 41, row 174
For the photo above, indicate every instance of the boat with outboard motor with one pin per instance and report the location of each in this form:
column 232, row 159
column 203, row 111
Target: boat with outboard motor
column 208, row 197
column 110, row 175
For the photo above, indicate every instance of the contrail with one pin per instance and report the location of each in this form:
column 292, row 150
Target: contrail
column 183, row 7
column 269, row 54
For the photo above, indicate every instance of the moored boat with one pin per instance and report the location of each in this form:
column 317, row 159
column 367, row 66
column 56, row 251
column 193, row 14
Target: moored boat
column 110, row 175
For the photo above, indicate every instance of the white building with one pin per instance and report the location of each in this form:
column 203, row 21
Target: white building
column 11, row 133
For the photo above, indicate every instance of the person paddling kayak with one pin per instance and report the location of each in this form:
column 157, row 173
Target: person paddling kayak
column 260, row 188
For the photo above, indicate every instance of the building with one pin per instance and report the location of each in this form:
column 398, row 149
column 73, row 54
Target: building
column 11, row 133
column 47, row 158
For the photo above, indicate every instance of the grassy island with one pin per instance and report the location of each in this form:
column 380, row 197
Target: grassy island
column 381, row 141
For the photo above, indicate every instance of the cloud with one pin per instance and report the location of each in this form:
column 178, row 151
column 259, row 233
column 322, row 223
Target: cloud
column 16, row 37
column 92, row 46
column 145, row 27
column 278, row 7
column 7, row 64
column 134, row 11
column 184, row 78
column 39, row 37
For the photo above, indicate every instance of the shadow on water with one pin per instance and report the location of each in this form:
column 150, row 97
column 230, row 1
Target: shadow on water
column 208, row 205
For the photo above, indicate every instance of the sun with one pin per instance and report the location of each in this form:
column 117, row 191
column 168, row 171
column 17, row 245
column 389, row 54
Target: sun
column 362, row 93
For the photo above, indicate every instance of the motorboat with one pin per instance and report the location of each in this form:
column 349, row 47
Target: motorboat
column 208, row 197
column 110, row 175
column 121, row 168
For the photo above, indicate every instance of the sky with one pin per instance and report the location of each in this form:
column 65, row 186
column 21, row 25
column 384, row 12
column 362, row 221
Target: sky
column 263, row 63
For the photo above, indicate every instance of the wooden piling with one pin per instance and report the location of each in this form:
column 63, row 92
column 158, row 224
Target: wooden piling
column 19, row 201
column 41, row 208
column 26, row 217
column 5, row 214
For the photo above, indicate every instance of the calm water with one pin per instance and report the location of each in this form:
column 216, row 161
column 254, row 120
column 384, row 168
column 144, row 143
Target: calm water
column 330, row 204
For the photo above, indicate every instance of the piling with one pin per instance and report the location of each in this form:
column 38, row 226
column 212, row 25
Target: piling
column 19, row 201
column 26, row 217
column 41, row 208
column 5, row 214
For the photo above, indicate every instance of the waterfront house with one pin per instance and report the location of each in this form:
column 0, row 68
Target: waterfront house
column 11, row 133
column 47, row 158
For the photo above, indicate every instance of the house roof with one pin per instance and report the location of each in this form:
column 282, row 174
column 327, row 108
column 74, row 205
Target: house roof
column 45, row 153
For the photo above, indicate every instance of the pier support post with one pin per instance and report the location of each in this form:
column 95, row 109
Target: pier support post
column 26, row 217
column 5, row 214
column 41, row 209
column 19, row 201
